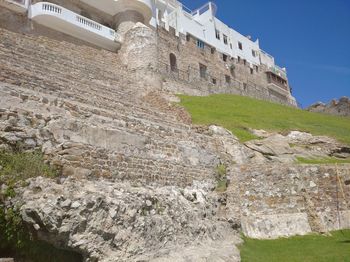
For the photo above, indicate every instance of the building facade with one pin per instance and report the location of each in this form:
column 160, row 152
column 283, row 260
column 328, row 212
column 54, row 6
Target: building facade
column 196, row 53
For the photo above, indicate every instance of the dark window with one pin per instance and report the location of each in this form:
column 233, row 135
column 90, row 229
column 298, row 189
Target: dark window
column 240, row 45
column 254, row 54
column 212, row 50
column 217, row 34
column 213, row 81
column 238, row 59
column 203, row 71
column 225, row 40
column 200, row 44
column 227, row 79
column 188, row 38
column 224, row 57
column 251, row 70
column 173, row 63
column 257, row 69
column 244, row 62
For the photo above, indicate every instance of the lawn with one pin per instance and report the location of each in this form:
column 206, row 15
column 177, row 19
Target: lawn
column 325, row 161
column 238, row 113
column 311, row 248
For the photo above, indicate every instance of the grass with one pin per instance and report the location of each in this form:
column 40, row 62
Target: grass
column 19, row 166
column 324, row 161
column 238, row 114
column 15, row 239
column 311, row 248
column 221, row 178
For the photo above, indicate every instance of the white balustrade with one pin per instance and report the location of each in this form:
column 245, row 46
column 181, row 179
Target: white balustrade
column 66, row 21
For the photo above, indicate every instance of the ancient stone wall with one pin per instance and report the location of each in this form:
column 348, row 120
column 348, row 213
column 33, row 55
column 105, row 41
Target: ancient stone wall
column 286, row 200
column 231, row 76
column 85, row 109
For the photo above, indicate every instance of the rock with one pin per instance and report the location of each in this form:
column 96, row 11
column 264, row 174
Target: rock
column 275, row 145
column 340, row 108
column 75, row 204
column 7, row 260
column 103, row 211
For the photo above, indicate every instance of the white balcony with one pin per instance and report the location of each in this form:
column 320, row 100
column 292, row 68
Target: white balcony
column 113, row 7
column 70, row 23
column 19, row 6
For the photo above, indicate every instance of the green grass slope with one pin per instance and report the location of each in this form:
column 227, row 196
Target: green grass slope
column 312, row 248
column 238, row 113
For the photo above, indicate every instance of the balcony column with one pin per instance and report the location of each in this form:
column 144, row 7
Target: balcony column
column 124, row 21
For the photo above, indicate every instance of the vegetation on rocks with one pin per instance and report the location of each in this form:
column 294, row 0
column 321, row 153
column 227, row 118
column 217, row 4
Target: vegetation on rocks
column 311, row 248
column 221, row 178
column 320, row 161
column 16, row 167
column 239, row 114
column 15, row 238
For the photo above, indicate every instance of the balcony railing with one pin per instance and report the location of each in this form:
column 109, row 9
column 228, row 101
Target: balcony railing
column 278, row 71
column 66, row 21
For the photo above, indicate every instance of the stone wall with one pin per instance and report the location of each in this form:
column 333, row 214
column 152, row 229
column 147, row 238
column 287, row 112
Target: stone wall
column 232, row 76
column 87, row 112
column 286, row 200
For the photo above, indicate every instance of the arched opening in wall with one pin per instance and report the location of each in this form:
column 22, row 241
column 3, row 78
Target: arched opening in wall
column 173, row 63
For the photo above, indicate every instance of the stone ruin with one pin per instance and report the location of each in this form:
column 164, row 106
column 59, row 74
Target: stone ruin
column 138, row 180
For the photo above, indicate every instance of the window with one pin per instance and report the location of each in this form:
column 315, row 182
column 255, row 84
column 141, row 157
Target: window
column 173, row 63
column 213, row 80
column 224, row 57
column 254, row 53
column 188, row 38
column 203, row 71
column 240, row 45
column 251, row 71
column 227, row 79
column 217, row 34
column 200, row 44
column 238, row 59
column 225, row 39
column 244, row 62
column 212, row 50
column 257, row 69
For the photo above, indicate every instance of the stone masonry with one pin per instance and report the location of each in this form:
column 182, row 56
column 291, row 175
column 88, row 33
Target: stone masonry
column 138, row 180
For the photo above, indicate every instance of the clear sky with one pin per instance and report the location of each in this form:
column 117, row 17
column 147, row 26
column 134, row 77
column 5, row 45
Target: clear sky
column 309, row 37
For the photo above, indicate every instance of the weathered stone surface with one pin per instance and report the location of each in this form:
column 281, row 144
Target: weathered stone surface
column 284, row 200
column 138, row 179
column 286, row 148
column 340, row 108
column 275, row 226
column 119, row 222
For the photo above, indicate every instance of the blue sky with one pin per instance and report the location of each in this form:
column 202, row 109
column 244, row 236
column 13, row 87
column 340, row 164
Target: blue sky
column 309, row 37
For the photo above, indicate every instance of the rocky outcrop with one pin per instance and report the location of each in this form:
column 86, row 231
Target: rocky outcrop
column 286, row 149
column 340, row 108
column 119, row 221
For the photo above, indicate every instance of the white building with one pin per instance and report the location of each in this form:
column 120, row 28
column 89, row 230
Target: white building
column 202, row 24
